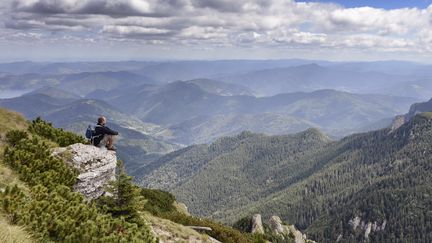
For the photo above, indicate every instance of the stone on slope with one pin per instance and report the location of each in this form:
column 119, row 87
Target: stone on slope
column 257, row 226
column 278, row 228
column 276, row 225
column 96, row 167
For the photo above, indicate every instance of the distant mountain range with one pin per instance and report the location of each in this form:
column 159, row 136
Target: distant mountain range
column 221, row 88
column 312, row 77
column 201, row 110
column 193, row 115
column 263, row 77
column 193, row 102
column 80, row 84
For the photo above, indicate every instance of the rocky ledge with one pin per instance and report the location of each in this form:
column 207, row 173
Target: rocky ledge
column 277, row 227
column 96, row 167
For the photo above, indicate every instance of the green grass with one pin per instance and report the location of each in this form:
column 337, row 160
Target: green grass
column 11, row 233
column 10, row 120
column 167, row 230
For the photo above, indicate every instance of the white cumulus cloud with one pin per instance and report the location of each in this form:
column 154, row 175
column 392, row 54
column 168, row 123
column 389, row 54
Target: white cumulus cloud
column 242, row 23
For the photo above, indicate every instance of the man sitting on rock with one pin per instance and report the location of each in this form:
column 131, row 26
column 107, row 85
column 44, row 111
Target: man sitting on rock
column 103, row 135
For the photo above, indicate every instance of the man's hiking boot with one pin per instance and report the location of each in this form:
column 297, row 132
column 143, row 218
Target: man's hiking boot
column 112, row 148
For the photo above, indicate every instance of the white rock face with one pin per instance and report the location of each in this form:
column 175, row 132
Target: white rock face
column 368, row 230
column 257, row 226
column 398, row 122
column 95, row 165
column 367, row 227
column 277, row 227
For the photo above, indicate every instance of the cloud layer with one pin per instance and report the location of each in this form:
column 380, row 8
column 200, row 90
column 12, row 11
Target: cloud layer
column 224, row 23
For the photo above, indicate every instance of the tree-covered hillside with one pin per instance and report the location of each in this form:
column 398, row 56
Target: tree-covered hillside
column 374, row 185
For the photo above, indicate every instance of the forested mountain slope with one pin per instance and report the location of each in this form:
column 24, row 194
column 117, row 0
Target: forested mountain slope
column 380, row 177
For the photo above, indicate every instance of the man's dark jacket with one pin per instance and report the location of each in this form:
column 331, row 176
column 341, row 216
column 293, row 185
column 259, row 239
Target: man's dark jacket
column 100, row 131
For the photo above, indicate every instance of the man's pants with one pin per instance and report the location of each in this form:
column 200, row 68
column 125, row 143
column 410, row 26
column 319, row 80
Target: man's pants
column 104, row 141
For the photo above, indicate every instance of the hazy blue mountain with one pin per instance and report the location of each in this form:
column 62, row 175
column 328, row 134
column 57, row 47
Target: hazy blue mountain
column 389, row 67
column 200, row 110
column 80, row 84
column 70, row 67
column 85, row 83
column 312, row 77
column 39, row 102
column 186, row 108
column 188, row 70
column 207, row 129
column 171, row 103
column 420, row 88
column 264, row 77
column 220, row 88
column 21, row 67
column 54, row 93
column 12, row 93
column 28, row 81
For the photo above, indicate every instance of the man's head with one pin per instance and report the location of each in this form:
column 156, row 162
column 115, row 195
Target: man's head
column 102, row 120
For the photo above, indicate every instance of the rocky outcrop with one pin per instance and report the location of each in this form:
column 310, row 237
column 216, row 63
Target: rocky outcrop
column 414, row 110
column 283, row 230
column 398, row 122
column 368, row 227
column 96, row 167
column 257, row 226
column 419, row 108
column 276, row 227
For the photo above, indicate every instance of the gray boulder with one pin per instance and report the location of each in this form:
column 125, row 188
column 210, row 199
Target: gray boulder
column 96, row 167
column 276, row 225
column 278, row 228
column 257, row 226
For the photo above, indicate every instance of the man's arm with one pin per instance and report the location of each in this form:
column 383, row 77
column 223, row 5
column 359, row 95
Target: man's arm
column 107, row 130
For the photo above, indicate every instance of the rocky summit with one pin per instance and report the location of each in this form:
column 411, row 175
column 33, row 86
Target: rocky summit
column 96, row 167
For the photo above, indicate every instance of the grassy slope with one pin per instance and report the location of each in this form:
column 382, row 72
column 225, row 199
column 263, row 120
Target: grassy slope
column 168, row 231
column 10, row 233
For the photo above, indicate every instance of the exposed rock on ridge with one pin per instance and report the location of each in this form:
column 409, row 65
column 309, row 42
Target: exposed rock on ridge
column 257, row 226
column 96, row 167
column 278, row 228
column 398, row 122
column 368, row 227
column 414, row 110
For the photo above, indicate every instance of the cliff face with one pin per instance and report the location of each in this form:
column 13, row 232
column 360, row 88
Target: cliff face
column 275, row 227
column 414, row 110
column 95, row 165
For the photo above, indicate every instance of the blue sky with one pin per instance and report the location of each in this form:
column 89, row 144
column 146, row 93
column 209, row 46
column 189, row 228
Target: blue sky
column 215, row 29
column 386, row 4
